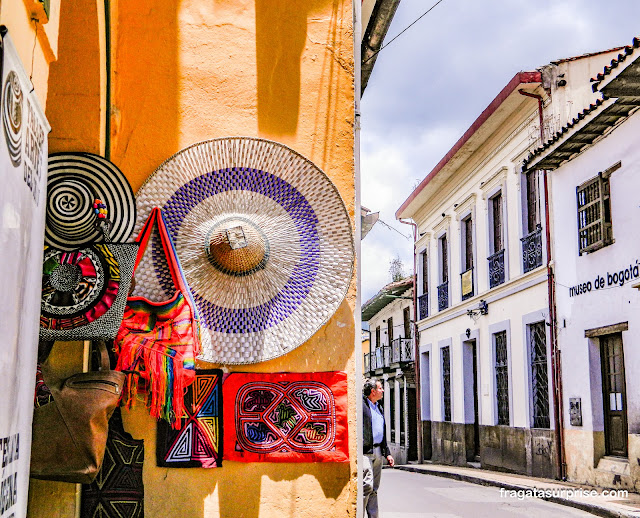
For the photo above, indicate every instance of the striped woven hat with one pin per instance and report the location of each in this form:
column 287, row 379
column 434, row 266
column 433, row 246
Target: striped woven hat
column 263, row 237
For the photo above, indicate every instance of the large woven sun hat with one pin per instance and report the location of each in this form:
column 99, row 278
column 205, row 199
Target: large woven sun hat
column 264, row 240
column 75, row 181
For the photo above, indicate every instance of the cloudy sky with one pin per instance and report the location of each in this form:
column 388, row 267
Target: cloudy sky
column 430, row 84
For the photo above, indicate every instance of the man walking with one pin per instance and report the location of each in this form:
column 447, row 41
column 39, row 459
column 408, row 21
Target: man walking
column 374, row 445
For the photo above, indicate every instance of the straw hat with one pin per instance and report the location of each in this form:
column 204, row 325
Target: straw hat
column 264, row 240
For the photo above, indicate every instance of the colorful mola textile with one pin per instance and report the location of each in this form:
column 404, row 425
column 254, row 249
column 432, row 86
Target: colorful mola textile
column 198, row 442
column 286, row 417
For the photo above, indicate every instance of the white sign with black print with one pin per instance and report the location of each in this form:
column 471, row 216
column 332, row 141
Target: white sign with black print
column 23, row 180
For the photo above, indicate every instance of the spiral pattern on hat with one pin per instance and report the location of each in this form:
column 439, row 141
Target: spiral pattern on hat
column 75, row 180
column 12, row 106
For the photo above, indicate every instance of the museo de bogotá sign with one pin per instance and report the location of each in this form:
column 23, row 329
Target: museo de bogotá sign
column 607, row 280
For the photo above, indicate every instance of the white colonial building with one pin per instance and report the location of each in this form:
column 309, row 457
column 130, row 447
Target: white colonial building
column 486, row 370
column 390, row 317
column 594, row 184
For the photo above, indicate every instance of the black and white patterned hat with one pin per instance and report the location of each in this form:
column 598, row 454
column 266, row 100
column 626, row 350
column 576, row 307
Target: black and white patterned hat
column 75, row 180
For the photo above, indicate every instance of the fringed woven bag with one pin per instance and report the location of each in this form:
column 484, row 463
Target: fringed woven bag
column 158, row 341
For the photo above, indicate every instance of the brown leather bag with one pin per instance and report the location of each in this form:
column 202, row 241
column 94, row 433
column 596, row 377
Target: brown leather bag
column 70, row 433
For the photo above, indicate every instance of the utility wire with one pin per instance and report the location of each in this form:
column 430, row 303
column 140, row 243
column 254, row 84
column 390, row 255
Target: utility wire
column 403, row 31
column 392, row 228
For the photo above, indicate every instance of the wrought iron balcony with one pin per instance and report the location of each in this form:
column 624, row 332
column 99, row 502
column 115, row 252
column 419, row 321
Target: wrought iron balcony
column 380, row 357
column 386, row 355
column 377, row 362
column 532, row 250
column 496, row 269
column 402, row 350
column 443, row 296
column 466, row 280
column 423, row 306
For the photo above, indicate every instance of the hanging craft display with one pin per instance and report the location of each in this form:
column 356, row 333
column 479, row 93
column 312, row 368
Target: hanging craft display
column 118, row 490
column 74, row 182
column 286, row 417
column 198, row 442
column 264, row 239
column 84, row 291
column 157, row 342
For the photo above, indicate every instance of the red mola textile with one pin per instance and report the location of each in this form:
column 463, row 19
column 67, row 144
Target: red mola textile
column 286, row 417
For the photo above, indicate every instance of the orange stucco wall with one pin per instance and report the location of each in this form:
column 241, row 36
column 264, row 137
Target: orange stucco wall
column 186, row 71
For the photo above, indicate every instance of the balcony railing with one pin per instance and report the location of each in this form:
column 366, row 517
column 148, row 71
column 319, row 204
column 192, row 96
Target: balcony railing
column 532, row 250
column 402, row 350
column 496, row 269
column 379, row 358
column 423, row 306
column 443, row 296
column 466, row 280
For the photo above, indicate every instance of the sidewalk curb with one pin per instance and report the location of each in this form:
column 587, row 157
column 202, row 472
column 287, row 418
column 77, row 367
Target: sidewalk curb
column 589, row 508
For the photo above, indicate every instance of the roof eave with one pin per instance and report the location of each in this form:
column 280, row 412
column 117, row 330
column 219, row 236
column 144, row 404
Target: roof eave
column 406, row 210
column 374, row 35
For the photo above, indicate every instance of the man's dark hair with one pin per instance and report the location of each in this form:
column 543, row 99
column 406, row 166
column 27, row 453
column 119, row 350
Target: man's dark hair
column 369, row 385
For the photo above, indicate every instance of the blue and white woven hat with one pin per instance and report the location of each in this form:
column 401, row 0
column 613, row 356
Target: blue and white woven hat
column 263, row 237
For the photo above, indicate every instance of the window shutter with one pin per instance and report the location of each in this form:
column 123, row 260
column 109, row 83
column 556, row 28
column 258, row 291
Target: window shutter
column 591, row 214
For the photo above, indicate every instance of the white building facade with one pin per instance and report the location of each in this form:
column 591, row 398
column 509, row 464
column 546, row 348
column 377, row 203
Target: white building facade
column 594, row 182
column 391, row 360
column 486, row 380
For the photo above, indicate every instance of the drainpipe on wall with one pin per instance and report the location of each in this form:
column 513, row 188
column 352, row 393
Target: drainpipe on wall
column 556, row 361
column 416, row 351
column 357, row 65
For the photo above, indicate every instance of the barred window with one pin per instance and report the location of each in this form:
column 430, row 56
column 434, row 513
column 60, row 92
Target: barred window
column 594, row 214
column 406, row 322
column 467, row 227
column 446, row 383
column 502, row 377
column 539, row 375
column 444, row 256
column 425, row 273
column 496, row 212
column 532, row 200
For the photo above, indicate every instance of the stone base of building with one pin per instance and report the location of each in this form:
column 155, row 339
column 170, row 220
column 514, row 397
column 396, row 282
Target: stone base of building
column 452, row 443
column 518, row 450
column 587, row 462
column 399, row 453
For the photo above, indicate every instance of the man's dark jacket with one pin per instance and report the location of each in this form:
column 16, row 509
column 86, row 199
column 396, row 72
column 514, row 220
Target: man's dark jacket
column 367, row 433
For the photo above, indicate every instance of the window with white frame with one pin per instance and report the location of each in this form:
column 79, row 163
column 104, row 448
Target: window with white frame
column 501, row 368
column 495, row 207
column 532, row 230
column 537, row 336
column 532, row 200
column 443, row 287
column 466, row 238
column 446, row 383
column 496, row 241
column 423, row 298
column 392, row 409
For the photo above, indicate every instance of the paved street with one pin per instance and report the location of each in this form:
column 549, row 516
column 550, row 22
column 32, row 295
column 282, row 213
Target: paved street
column 414, row 495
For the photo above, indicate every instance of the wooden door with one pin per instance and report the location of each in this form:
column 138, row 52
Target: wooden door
column 614, row 395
